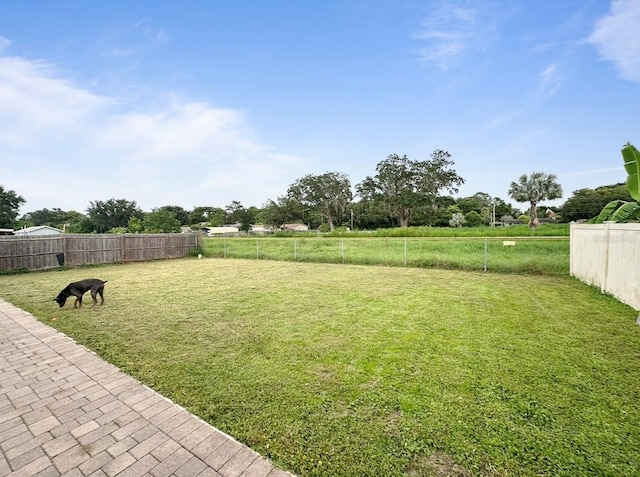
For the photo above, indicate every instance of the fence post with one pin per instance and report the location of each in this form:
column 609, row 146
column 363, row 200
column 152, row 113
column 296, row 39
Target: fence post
column 405, row 251
column 607, row 250
column 64, row 246
column 485, row 254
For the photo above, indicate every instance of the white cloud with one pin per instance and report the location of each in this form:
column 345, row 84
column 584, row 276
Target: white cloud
column 64, row 146
column 4, row 43
column 34, row 103
column 616, row 38
column 452, row 30
column 134, row 40
column 594, row 171
column 120, row 52
column 549, row 81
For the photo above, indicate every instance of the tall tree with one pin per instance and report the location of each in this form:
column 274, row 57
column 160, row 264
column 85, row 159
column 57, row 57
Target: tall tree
column 403, row 185
column 329, row 194
column 160, row 220
column 10, row 204
column 586, row 204
column 281, row 211
column 535, row 188
column 234, row 212
column 238, row 214
column 214, row 216
column 112, row 213
column 54, row 218
column 181, row 214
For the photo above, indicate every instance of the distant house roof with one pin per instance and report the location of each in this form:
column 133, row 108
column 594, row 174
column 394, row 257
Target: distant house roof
column 296, row 227
column 6, row 231
column 221, row 230
column 262, row 229
column 38, row 230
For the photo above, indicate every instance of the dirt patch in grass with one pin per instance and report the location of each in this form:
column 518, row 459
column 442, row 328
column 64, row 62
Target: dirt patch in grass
column 436, row 465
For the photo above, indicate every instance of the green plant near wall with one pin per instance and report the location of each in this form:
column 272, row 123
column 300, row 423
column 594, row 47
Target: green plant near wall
column 620, row 210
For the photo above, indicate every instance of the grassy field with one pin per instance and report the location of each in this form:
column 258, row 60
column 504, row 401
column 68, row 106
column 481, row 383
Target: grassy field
column 519, row 230
column 354, row 370
column 549, row 256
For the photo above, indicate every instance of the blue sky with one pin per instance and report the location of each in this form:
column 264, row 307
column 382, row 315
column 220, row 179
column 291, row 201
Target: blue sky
column 199, row 103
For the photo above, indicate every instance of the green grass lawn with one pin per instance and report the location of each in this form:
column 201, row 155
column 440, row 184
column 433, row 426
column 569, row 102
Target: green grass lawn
column 549, row 256
column 348, row 370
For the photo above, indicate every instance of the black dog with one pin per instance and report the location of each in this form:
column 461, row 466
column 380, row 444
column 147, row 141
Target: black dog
column 78, row 289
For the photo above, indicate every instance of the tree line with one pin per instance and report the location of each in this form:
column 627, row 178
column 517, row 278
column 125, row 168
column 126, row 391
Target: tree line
column 401, row 193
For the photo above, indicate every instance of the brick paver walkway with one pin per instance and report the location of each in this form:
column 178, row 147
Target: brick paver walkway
column 64, row 411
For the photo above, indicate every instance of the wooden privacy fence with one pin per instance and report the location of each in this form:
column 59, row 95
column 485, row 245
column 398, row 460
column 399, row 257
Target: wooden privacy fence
column 41, row 253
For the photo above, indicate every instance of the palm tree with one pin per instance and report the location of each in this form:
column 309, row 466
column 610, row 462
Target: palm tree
column 534, row 189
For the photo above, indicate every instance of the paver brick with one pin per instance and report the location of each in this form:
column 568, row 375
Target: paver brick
column 19, row 392
column 169, row 465
column 96, row 434
column 95, row 462
column 75, row 472
column 190, row 468
column 279, row 473
column 91, row 416
column 156, row 408
column 16, row 440
column 42, row 402
column 99, row 445
column 98, row 403
column 209, row 445
column 118, row 464
column 98, row 473
column 209, row 472
column 144, row 432
column 37, row 415
column 149, row 444
column 259, row 468
column 175, row 421
column 84, row 429
column 26, row 458
column 238, row 463
column 197, row 436
column 122, row 446
column 44, row 425
column 70, row 458
column 129, row 428
column 140, row 467
column 63, row 406
column 125, row 419
column 164, row 450
column 71, row 415
column 222, row 454
column 183, row 430
column 33, row 468
column 12, row 432
column 26, row 400
column 59, row 445
column 165, row 415
column 28, row 445
column 11, row 423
